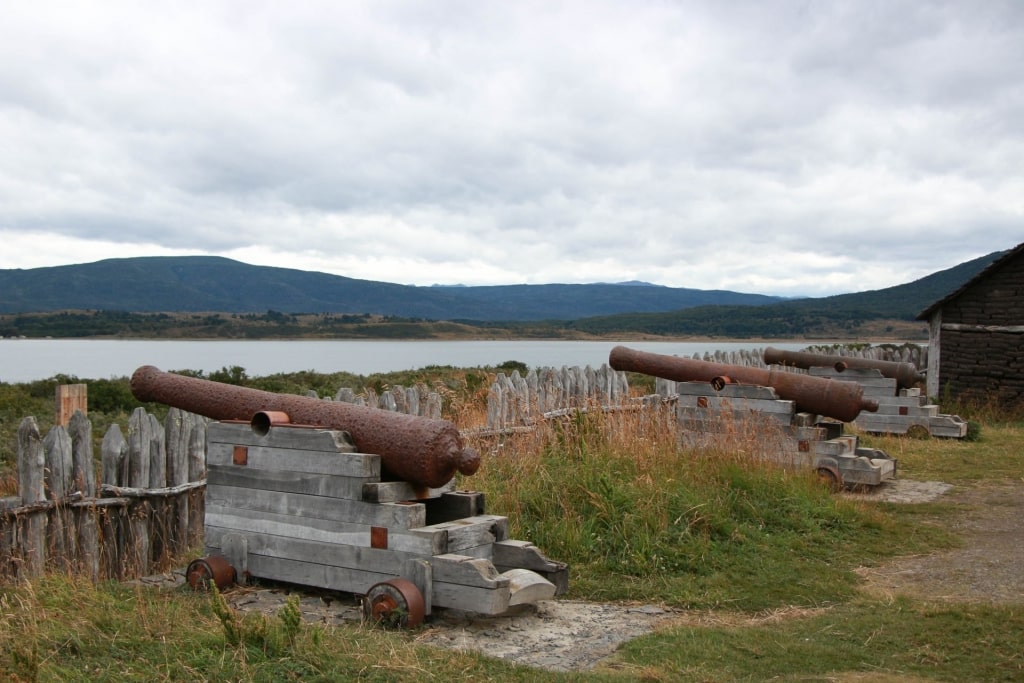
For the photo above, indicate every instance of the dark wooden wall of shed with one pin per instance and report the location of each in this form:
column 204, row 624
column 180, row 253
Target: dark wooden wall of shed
column 983, row 365
column 983, row 361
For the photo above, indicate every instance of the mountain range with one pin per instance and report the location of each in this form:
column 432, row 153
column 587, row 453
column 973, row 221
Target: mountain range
column 209, row 283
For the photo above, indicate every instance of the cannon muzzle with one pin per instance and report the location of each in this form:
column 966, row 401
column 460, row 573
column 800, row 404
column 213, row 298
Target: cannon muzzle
column 419, row 450
column 905, row 374
column 839, row 400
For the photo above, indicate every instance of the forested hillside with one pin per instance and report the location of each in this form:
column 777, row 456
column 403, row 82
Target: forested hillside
column 884, row 312
column 211, row 284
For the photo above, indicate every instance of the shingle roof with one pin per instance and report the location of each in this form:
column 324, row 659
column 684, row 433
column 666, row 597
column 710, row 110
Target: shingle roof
column 989, row 269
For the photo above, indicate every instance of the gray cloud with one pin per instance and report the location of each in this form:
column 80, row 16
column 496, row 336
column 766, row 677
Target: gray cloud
column 785, row 148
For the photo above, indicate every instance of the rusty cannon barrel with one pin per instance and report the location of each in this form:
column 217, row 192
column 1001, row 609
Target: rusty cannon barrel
column 905, row 374
column 419, row 450
column 839, row 400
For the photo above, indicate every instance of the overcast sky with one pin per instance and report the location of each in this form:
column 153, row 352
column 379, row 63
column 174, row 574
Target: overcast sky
column 792, row 148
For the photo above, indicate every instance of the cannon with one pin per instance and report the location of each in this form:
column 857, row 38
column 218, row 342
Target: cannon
column 905, row 374
column 840, row 400
column 422, row 451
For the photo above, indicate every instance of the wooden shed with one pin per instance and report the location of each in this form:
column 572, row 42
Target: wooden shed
column 976, row 335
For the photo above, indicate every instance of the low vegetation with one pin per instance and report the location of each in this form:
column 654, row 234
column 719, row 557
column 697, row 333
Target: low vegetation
column 766, row 557
column 827, row 320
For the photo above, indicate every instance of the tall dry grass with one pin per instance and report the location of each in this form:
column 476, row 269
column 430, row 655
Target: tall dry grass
column 618, row 495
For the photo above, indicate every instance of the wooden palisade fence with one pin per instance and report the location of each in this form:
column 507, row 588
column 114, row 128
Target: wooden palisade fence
column 415, row 400
column 516, row 402
column 146, row 511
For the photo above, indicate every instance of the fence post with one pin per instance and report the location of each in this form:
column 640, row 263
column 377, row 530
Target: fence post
column 140, row 435
column 58, row 482
column 159, row 527
column 84, row 480
column 31, row 489
column 178, row 430
column 113, row 457
column 196, row 472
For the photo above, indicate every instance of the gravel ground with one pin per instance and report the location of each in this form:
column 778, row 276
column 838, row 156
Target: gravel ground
column 565, row 635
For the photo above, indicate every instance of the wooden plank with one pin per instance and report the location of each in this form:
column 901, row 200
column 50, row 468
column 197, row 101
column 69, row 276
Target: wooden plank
column 892, row 420
column 235, row 549
column 706, row 419
column 841, row 446
column 422, row 576
column 266, row 458
column 512, row 554
column 866, row 378
column 331, row 486
column 751, row 392
column 58, row 481
column 160, row 509
column 178, row 430
column 911, row 410
column 196, row 472
column 157, row 453
column 493, row 600
column 902, row 401
column 857, row 374
column 71, row 398
column 283, row 437
column 395, row 491
column 944, row 425
column 808, row 433
column 737, row 404
column 391, row 515
column 470, row 584
column 331, row 554
column 466, row 571
column 31, row 463
column 746, row 391
column 139, row 437
column 424, row 541
column 313, row 574
column 113, row 454
column 472, row 531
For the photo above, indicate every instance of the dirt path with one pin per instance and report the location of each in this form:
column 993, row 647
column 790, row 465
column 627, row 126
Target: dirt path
column 565, row 635
column 988, row 567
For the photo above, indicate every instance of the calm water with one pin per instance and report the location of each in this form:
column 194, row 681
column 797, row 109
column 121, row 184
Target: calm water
column 25, row 360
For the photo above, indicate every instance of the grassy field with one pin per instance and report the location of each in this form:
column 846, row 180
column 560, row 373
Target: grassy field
column 763, row 557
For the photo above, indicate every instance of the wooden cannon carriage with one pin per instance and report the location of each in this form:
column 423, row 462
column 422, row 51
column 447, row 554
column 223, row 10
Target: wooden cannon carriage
column 299, row 504
column 803, row 415
column 302, row 504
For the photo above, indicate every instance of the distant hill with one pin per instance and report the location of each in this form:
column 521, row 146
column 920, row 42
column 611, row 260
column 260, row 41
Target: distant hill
column 208, row 283
column 827, row 316
column 196, row 284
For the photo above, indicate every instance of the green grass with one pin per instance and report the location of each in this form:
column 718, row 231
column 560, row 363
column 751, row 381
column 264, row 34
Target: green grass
column 898, row 638
column 995, row 455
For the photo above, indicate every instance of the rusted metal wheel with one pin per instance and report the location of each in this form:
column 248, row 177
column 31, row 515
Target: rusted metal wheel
column 395, row 603
column 830, row 478
column 206, row 570
column 918, row 432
